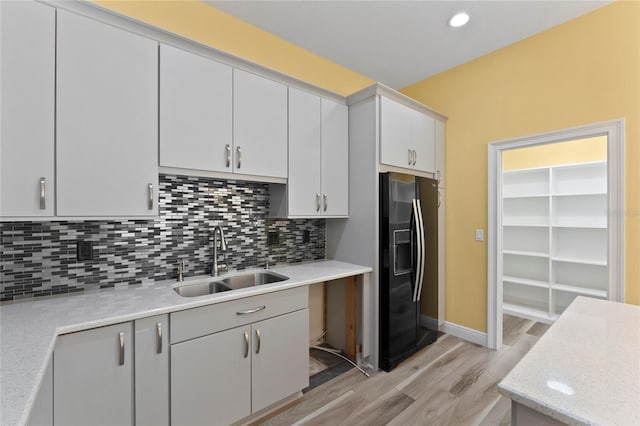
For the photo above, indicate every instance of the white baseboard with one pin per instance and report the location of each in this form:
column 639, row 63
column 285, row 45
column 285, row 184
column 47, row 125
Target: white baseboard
column 465, row 333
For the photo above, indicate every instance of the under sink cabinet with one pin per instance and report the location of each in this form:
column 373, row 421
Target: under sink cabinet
column 100, row 379
column 233, row 359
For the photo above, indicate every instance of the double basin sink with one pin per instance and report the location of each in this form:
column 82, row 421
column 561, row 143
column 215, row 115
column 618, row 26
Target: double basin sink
column 217, row 285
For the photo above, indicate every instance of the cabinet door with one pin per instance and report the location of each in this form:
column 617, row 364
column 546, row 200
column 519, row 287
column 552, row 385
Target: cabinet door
column 423, row 137
column 259, row 125
column 93, row 377
column 280, row 358
column 396, row 134
column 440, row 153
column 211, row 378
column 195, row 111
column 335, row 158
column 27, row 58
column 107, row 120
column 303, row 186
column 152, row 371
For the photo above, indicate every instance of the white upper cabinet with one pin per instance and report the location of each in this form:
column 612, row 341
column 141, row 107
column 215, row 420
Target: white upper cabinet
column 407, row 137
column 318, row 156
column 335, row 158
column 259, row 125
column 304, row 186
column 196, row 109
column 107, row 120
column 440, row 153
column 27, row 59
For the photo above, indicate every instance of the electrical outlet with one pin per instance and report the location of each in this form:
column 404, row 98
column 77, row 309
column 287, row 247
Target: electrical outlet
column 306, row 236
column 273, row 238
column 479, row 235
column 84, row 250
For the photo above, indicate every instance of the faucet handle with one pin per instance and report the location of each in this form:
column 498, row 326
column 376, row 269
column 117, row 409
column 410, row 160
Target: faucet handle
column 181, row 266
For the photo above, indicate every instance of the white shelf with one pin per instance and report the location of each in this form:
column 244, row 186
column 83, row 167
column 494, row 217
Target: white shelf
column 509, row 197
column 579, row 261
column 554, row 237
column 528, row 313
column 525, row 253
column 602, row 294
column 524, row 281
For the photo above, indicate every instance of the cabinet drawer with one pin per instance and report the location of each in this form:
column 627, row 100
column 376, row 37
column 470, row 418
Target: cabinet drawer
column 204, row 320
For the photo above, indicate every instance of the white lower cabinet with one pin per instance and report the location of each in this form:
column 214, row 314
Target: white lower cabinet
column 222, row 377
column 152, row 371
column 93, row 375
column 211, row 378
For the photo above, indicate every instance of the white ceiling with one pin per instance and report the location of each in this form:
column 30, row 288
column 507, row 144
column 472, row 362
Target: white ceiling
column 401, row 42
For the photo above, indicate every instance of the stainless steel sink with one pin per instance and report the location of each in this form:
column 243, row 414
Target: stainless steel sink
column 252, row 279
column 230, row 283
column 193, row 290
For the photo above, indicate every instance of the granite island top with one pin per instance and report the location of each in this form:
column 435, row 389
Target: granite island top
column 586, row 368
column 28, row 330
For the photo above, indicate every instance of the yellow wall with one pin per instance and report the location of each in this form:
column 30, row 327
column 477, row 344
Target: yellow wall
column 576, row 151
column 210, row 26
column 584, row 71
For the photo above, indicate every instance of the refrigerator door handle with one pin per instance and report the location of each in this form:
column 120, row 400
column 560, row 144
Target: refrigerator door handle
column 418, row 249
column 422, row 257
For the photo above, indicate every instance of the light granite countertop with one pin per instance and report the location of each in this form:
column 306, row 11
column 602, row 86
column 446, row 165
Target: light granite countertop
column 586, row 368
column 28, row 330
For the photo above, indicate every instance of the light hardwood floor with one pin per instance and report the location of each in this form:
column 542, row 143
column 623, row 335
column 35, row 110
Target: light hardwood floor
column 451, row 382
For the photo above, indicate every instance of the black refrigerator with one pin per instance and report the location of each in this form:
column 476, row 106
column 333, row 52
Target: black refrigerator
column 408, row 281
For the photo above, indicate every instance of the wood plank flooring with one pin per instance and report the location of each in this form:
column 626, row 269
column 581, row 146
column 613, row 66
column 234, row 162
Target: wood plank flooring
column 451, row 382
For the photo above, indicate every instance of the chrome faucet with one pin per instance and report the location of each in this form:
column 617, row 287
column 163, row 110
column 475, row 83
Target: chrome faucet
column 223, row 248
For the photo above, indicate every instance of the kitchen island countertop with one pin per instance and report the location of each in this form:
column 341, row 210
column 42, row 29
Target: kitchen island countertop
column 585, row 369
column 28, row 330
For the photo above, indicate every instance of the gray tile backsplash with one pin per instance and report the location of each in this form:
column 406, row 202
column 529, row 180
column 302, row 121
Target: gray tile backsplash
column 39, row 258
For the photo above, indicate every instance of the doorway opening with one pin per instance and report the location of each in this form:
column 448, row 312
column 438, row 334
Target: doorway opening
column 555, row 226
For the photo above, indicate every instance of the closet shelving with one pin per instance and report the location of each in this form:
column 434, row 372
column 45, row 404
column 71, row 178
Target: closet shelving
column 554, row 238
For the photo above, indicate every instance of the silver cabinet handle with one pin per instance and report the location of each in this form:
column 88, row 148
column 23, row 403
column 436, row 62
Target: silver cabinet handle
column 324, row 199
column 121, row 338
column 227, row 147
column 410, row 156
column 251, row 311
column 317, row 202
column 150, row 189
column 438, row 198
column 43, row 183
column 258, row 337
column 415, row 157
column 159, row 338
column 246, row 344
column 239, row 156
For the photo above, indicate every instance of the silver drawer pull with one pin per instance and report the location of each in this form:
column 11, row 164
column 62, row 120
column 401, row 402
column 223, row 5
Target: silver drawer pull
column 228, row 148
column 324, row 198
column 150, row 189
column 43, row 183
column 415, row 157
column 246, row 344
column 258, row 337
column 410, row 157
column 121, row 338
column 239, row 156
column 159, row 338
column 251, row 311
column 317, row 202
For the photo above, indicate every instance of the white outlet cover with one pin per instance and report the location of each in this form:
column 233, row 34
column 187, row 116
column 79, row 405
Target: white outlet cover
column 479, row 235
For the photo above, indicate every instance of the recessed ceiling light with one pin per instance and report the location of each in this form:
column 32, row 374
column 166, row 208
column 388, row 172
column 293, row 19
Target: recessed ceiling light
column 458, row 20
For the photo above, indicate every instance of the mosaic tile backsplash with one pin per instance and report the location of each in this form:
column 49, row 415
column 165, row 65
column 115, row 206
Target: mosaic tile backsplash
column 40, row 258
